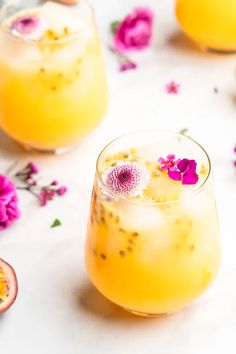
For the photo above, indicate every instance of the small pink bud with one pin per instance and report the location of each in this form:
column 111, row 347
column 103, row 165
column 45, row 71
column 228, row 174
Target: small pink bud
column 62, row 190
column 33, row 169
column 43, row 198
column 54, row 183
column 129, row 65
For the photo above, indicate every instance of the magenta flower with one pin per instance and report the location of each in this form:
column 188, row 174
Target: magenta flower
column 9, row 211
column 180, row 170
column 127, row 180
column 172, row 88
column 135, row 31
column 29, row 27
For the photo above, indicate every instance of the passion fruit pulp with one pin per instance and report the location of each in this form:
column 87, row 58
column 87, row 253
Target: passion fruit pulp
column 8, row 286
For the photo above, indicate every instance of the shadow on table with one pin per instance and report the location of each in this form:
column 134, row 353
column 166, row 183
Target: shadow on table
column 9, row 147
column 91, row 301
column 179, row 41
column 3, row 317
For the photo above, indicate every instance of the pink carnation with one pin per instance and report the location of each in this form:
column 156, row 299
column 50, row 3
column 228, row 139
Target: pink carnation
column 9, row 211
column 135, row 31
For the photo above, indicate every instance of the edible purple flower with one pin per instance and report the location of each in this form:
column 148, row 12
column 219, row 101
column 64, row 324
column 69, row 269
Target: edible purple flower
column 187, row 169
column 30, row 27
column 127, row 180
column 183, row 170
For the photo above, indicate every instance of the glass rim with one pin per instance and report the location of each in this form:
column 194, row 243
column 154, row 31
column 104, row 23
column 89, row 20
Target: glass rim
column 33, row 42
column 152, row 203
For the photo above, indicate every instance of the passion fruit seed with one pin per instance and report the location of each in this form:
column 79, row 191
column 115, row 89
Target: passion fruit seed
column 121, row 230
column 192, row 248
column 135, row 234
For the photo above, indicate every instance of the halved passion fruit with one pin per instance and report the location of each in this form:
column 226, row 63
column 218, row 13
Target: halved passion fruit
column 8, row 286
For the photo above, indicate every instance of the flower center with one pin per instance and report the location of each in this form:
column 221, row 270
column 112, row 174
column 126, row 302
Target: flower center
column 124, row 177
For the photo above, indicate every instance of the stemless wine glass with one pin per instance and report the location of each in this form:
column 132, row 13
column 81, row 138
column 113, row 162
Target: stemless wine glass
column 155, row 253
column 53, row 90
column 209, row 23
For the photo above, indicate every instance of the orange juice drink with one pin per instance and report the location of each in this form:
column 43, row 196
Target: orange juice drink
column 53, row 89
column 210, row 23
column 153, row 240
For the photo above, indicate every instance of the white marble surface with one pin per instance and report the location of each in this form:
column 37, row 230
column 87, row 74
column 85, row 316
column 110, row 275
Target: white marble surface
column 57, row 310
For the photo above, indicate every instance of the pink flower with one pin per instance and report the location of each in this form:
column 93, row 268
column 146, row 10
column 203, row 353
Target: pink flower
column 9, row 211
column 30, row 27
column 170, row 163
column 127, row 180
column 33, row 169
column 180, row 170
column 62, row 190
column 128, row 65
column 172, row 88
column 46, row 195
column 135, row 31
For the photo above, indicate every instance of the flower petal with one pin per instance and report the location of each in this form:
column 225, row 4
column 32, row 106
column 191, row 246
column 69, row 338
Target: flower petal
column 175, row 175
column 171, row 157
column 189, row 178
column 183, row 165
column 192, row 165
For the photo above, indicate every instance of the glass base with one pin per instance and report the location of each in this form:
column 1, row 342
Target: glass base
column 218, row 51
column 150, row 315
column 59, row 151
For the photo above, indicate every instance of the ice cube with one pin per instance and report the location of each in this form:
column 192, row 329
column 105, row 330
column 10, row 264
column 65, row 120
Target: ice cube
column 59, row 17
column 135, row 217
column 197, row 204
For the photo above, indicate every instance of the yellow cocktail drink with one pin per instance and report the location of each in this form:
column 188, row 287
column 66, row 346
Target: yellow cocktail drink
column 155, row 252
column 53, row 89
column 208, row 22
